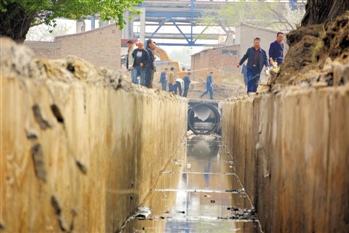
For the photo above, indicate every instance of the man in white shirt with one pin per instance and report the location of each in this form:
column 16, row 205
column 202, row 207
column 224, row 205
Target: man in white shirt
column 130, row 60
column 179, row 86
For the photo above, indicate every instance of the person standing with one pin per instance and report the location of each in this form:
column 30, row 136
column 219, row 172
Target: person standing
column 244, row 72
column 171, row 81
column 256, row 59
column 187, row 82
column 163, row 79
column 141, row 59
column 208, row 86
column 150, row 66
column 276, row 49
column 179, row 86
column 130, row 60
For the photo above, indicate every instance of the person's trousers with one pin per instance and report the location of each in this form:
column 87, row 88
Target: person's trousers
column 140, row 71
column 185, row 93
column 164, row 85
column 134, row 76
column 149, row 78
column 253, row 76
column 171, row 87
column 179, row 88
column 208, row 90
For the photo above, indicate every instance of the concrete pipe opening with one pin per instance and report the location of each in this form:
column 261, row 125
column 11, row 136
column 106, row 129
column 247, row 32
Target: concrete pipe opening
column 203, row 118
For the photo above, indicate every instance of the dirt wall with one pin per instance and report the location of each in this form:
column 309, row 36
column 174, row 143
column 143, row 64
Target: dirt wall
column 291, row 153
column 80, row 147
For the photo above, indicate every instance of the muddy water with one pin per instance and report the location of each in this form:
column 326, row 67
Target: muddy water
column 200, row 193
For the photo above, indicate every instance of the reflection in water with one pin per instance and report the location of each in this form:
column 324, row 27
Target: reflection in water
column 204, row 197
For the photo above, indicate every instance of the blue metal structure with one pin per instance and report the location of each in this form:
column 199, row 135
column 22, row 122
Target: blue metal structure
column 183, row 13
column 170, row 16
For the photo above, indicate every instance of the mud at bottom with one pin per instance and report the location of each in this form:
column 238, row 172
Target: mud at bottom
column 199, row 193
column 172, row 225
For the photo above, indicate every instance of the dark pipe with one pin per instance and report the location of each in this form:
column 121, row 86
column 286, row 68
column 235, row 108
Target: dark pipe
column 191, row 118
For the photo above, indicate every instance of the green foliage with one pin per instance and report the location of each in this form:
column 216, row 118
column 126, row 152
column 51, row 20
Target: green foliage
column 274, row 15
column 43, row 11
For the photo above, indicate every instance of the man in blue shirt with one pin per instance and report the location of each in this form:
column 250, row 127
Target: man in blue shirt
column 208, row 86
column 256, row 59
column 187, row 82
column 276, row 50
column 163, row 79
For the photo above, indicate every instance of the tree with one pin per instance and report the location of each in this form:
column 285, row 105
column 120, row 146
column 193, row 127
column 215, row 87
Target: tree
column 324, row 11
column 274, row 15
column 17, row 16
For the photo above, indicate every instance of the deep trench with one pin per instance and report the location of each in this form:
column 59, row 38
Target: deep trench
column 201, row 192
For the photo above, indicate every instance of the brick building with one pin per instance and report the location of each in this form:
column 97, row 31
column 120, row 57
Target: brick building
column 225, row 58
column 219, row 59
column 100, row 46
column 245, row 33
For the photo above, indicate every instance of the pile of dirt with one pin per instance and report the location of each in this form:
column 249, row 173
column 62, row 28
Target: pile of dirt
column 314, row 53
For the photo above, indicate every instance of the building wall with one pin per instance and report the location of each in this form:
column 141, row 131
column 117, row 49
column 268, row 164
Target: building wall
column 245, row 34
column 79, row 146
column 223, row 60
column 101, row 46
column 45, row 49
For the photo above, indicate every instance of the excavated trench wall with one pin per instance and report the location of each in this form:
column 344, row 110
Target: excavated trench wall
column 80, row 148
column 291, row 152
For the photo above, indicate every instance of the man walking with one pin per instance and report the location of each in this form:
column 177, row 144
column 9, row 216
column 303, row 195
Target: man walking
column 141, row 59
column 208, row 86
column 150, row 66
column 244, row 72
column 163, row 79
column 130, row 60
column 276, row 49
column 187, row 82
column 257, row 58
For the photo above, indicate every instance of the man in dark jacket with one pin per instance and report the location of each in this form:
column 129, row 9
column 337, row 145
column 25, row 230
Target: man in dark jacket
column 276, row 50
column 150, row 67
column 208, row 86
column 141, row 59
column 257, row 58
column 187, row 82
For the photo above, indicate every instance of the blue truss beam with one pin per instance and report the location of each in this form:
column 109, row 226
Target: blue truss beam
column 169, row 17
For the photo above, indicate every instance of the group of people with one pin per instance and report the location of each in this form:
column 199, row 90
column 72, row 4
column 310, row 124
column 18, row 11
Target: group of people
column 140, row 62
column 257, row 58
column 178, row 86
